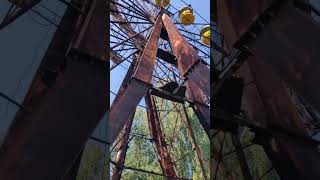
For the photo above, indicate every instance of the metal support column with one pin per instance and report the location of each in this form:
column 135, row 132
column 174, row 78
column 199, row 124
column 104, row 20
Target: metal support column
column 158, row 136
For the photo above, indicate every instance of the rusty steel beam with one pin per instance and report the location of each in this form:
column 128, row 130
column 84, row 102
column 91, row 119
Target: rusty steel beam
column 189, row 63
column 54, row 59
column 94, row 23
column 60, row 113
column 278, row 44
column 124, row 141
column 192, row 68
column 146, row 64
column 276, row 41
column 127, row 77
column 202, row 110
column 293, row 57
column 56, row 125
column 158, row 136
column 122, row 150
column 125, row 104
column 268, row 108
column 234, row 17
column 283, row 113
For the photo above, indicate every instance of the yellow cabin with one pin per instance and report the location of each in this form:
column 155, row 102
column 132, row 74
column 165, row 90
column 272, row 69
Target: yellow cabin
column 186, row 15
column 162, row 3
column 205, row 35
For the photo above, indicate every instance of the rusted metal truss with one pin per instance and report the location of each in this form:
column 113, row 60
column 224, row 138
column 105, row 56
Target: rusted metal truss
column 64, row 104
column 126, row 103
column 157, row 134
column 50, row 131
column 123, row 145
column 189, row 63
column 122, row 150
column 192, row 68
column 92, row 22
column 296, row 61
column 278, row 48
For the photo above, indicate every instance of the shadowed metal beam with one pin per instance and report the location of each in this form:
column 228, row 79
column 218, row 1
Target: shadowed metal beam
column 64, row 105
column 276, row 42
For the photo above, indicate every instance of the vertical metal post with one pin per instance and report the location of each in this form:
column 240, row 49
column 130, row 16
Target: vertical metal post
column 121, row 155
column 191, row 67
column 123, row 107
column 199, row 153
column 157, row 134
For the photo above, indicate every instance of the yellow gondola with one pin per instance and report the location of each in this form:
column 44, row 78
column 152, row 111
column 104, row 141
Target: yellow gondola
column 162, row 3
column 205, row 35
column 186, row 15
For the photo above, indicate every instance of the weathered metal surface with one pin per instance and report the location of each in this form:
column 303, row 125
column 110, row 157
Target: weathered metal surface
column 198, row 80
column 183, row 51
column 93, row 37
column 243, row 13
column 189, row 63
column 43, row 141
column 122, row 108
column 54, row 59
column 283, row 113
column 50, row 124
column 292, row 55
column 128, row 99
column 146, row 64
column 127, row 78
column 275, row 97
column 280, row 44
column 277, row 110
column 200, row 101
column 235, row 17
column 122, row 150
column 157, row 134
column 251, row 100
